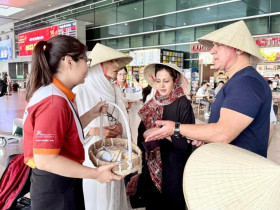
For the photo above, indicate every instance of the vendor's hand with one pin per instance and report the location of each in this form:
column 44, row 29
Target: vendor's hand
column 150, row 131
column 166, row 130
column 98, row 108
column 106, row 175
column 196, row 143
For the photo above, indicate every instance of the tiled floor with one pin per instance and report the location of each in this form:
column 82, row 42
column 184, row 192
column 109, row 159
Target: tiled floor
column 13, row 107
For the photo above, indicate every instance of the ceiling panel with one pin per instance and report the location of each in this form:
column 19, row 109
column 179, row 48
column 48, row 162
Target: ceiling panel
column 33, row 8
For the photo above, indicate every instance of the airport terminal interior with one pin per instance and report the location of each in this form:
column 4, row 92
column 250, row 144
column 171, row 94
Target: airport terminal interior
column 150, row 31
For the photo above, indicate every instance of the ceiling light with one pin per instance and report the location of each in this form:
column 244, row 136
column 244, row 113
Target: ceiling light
column 135, row 8
column 50, row 5
column 125, row 24
column 208, row 8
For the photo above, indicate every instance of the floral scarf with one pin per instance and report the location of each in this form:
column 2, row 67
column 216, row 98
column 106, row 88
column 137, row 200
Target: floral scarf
column 153, row 109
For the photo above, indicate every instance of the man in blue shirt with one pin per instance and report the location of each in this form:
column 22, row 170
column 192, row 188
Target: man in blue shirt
column 240, row 114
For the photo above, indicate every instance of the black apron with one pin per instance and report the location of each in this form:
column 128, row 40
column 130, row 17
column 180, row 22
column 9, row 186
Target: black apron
column 50, row 191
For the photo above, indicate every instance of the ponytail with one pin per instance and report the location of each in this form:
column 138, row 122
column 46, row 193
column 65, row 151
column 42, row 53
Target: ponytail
column 46, row 59
column 40, row 71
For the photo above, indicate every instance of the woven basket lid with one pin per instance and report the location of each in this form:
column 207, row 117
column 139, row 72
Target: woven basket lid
column 149, row 75
column 223, row 176
column 235, row 35
column 101, row 53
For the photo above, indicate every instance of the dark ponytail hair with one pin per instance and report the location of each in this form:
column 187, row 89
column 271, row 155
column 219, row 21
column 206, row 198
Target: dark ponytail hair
column 173, row 73
column 46, row 59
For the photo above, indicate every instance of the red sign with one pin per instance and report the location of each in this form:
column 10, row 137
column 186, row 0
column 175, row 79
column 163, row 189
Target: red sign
column 268, row 41
column 28, row 40
column 196, row 48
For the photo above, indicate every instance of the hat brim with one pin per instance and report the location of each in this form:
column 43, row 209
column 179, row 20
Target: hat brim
column 224, row 176
column 236, row 35
column 101, row 53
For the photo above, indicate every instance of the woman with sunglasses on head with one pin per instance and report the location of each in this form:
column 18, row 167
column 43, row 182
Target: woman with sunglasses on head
column 99, row 86
column 163, row 161
column 53, row 135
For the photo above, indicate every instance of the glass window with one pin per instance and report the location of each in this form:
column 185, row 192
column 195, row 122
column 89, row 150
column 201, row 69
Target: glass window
column 136, row 41
column 130, row 28
column 185, row 35
column 129, row 11
column 158, row 23
column 112, row 43
column 184, row 48
column 257, row 25
column 257, row 7
column 155, row 7
column 275, row 24
column 123, row 43
column 185, row 4
column 108, row 31
column 151, row 39
column 167, row 37
column 275, row 6
column 105, row 16
column 203, row 30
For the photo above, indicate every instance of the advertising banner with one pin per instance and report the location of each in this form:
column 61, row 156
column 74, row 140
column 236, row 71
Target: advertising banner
column 28, row 40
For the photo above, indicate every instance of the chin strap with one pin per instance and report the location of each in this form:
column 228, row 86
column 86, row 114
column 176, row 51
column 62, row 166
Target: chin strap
column 229, row 58
column 104, row 71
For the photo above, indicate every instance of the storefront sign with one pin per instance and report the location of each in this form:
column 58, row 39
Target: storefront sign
column 144, row 57
column 28, row 40
column 196, row 48
column 268, row 41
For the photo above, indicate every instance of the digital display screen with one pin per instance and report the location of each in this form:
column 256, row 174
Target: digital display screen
column 6, row 50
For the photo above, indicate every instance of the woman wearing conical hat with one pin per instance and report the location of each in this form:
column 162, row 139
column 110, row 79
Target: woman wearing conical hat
column 98, row 86
column 240, row 113
column 164, row 161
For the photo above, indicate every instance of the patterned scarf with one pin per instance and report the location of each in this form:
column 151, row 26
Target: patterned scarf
column 153, row 109
column 151, row 112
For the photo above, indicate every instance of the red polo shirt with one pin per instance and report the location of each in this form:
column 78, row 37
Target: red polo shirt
column 51, row 125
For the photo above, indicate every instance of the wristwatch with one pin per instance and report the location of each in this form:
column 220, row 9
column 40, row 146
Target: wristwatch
column 177, row 129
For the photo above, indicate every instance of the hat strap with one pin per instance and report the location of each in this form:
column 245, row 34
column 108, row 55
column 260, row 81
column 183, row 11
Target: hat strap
column 104, row 70
column 229, row 57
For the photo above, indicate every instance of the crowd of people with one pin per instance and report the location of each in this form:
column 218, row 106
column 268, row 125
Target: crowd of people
column 67, row 92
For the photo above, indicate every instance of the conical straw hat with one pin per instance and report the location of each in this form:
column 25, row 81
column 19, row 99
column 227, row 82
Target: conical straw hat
column 223, row 176
column 101, row 53
column 149, row 75
column 235, row 35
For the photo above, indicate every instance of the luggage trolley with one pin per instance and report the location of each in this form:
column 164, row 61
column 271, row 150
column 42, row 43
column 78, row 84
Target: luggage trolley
column 15, row 136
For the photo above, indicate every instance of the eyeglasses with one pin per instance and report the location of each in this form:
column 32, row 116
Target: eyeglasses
column 111, row 118
column 86, row 59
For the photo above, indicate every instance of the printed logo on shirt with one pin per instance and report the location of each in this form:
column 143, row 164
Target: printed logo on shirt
column 39, row 137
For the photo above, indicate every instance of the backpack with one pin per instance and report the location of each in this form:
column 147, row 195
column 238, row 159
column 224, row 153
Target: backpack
column 15, row 183
column 3, row 87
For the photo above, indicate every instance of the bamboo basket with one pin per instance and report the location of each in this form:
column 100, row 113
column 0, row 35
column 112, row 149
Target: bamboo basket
column 125, row 166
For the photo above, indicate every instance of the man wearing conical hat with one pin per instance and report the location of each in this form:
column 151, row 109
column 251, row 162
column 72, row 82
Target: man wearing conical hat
column 98, row 86
column 240, row 113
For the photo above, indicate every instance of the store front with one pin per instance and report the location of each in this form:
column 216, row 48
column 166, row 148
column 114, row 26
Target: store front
column 142, row 58
column 206, row 70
